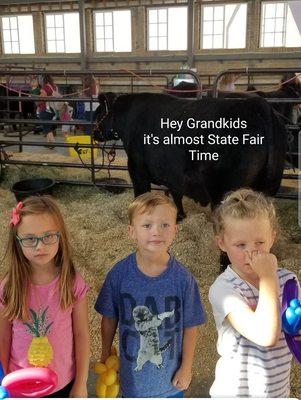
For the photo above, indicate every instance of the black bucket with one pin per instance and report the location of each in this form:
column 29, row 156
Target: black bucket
column 32, row 187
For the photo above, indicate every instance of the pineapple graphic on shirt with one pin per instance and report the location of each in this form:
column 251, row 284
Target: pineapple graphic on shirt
column 40, row 352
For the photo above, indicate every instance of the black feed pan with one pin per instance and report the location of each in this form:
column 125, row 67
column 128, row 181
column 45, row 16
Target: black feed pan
column 32, row 187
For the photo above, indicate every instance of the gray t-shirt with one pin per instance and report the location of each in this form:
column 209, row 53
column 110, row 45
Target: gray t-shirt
column 152, row 314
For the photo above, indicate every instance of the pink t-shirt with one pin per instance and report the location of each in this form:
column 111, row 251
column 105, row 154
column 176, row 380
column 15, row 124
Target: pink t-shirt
column 60, row 334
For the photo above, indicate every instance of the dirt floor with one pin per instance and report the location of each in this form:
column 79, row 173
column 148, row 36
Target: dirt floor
column 97, row 221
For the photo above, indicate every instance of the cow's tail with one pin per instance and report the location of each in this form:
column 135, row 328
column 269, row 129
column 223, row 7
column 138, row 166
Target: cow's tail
column 277, row 144
column 165, row 346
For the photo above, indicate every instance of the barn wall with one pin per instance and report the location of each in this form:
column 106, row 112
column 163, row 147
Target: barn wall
column 205, row 61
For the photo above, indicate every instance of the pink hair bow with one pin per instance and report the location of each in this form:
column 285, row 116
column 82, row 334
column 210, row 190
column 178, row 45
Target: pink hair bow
column 15, row 218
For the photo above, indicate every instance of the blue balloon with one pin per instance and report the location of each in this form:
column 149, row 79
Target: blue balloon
column 4, row 393
column 291, row 319
column 2, row 374
column 294, row 303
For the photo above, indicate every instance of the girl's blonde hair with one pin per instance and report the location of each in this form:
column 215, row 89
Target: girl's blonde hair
column 17, row 276
column 244, row 203
column 146, row 202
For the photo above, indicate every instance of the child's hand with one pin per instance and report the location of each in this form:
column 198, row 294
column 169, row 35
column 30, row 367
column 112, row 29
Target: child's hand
column 264, row 264
column 182, row 378
column 79, row 390
column 104, row 355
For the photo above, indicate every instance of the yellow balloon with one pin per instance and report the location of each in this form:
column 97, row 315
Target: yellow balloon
column 99, row 368
column 100, row 388
column 113, row 362
column 113, row 390
column 109, row 377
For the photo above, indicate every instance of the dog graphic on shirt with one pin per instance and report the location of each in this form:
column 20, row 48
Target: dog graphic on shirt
column 146, row 323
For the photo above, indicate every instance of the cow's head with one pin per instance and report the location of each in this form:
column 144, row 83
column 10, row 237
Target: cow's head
column 104, row 127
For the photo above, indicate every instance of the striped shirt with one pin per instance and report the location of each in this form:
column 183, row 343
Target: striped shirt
column 244, row 368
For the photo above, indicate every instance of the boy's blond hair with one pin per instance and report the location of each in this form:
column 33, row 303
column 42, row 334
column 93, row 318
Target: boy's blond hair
column 244, row 203
column 146, row 202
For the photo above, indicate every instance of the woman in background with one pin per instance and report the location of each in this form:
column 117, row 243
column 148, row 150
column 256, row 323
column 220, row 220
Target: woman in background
column 45, row 111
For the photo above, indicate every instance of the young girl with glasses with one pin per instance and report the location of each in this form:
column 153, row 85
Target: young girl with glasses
column 43, row 305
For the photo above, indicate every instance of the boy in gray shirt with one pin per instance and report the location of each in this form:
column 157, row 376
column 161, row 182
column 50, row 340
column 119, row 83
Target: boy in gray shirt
column 156, row 302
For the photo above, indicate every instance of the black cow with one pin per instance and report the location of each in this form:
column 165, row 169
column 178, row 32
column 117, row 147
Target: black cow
column 131, row 117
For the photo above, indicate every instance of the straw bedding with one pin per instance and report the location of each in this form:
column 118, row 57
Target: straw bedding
column 97, row 221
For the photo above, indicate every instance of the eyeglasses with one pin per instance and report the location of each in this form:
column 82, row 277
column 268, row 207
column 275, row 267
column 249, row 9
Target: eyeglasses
column 32, row 241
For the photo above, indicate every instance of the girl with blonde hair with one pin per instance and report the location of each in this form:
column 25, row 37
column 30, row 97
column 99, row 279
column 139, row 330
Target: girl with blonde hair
column 43, row 306
column 255, row 360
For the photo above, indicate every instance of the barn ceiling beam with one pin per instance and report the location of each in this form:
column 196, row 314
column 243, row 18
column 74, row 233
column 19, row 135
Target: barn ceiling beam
column 201, row 57
column 213, row 2
column 13, row 2
column 149, row 59
column 36, row 60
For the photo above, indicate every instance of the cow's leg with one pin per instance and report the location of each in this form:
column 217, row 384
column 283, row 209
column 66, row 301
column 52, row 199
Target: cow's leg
column 139, row 177
column 141, row 184
column 223, row 261
column 177, row 198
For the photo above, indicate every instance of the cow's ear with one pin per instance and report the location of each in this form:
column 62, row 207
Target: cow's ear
column 107, row 99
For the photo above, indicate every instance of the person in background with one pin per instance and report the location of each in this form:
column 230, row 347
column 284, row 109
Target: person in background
column 44, row 110
column 66, row 115
column 227, row 82
column 35, row 89
column 89, row 91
